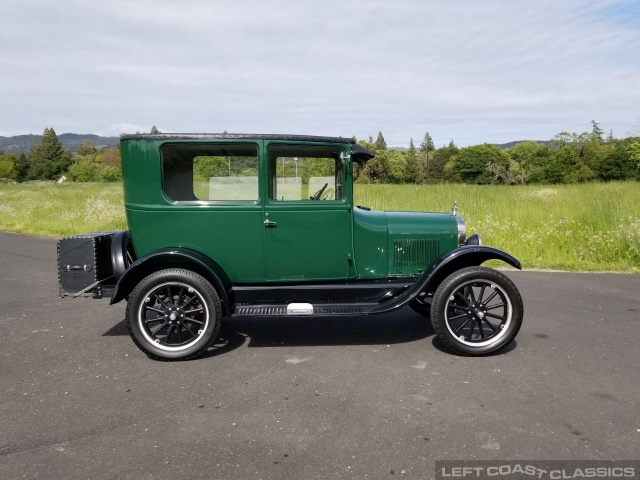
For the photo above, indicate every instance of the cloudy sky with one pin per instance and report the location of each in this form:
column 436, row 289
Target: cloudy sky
column 469, row 70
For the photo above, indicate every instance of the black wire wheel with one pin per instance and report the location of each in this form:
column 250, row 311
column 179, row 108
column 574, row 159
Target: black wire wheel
column 174, row 314
column 476, row 310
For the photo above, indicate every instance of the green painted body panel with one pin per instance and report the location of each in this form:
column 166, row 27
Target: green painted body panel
column 417, row 239
column 240, row 255
column 311, row 241
column 400, row 244
column 308, row 244
column 370, row 232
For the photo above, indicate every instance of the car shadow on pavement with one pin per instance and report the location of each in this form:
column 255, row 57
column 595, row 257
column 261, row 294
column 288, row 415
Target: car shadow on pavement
column 404, row 326
column 117, row 330
column 329, row 331
column 437, row 343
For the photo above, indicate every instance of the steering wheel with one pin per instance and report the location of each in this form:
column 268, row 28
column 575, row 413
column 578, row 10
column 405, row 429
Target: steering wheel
column 316, row 196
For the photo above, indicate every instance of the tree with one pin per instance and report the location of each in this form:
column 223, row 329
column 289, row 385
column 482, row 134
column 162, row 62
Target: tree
column 110, row 174
column 440, row 158
column 532, row 157
column 397, row 165
column 155, row 130
column 596, row 131
column 412, row 172
column 472, row 163
column 86, row 148
column 7, row 166
column 610, row 137
column 425, row 147
column 621, row 161
column 48, row 159
column 83, row 169
column 564, row 161
column 22, row 167
column 509, row 174
column 207, row 167
column 380, row 143
column 427, row 143
column 376, row 170
column 634, row 152
column 110, row 157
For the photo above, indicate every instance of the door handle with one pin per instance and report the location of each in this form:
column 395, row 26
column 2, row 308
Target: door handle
column 269, row 224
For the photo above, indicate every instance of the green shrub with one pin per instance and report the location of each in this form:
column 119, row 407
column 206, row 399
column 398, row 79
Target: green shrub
column 110, row 175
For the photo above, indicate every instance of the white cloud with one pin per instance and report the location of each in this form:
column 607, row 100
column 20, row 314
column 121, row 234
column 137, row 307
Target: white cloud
column 467, row 70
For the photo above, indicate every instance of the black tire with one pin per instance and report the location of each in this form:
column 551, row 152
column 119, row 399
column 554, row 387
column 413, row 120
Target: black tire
column 173, row 314
column 422, row 305
column 476, row 299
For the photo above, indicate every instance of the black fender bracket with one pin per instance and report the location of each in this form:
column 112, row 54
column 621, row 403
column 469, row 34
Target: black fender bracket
column 174, row 258
column 461, row 257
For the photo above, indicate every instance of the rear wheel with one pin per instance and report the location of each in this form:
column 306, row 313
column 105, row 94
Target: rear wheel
column 476, row 310
column 173, row 314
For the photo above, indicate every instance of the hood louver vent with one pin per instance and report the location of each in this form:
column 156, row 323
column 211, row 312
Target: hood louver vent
column 415, row 252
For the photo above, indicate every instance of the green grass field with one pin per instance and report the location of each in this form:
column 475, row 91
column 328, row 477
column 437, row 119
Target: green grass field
column 51, row 210
column 591, row 227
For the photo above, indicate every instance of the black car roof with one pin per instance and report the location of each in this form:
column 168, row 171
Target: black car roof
column 235, row 136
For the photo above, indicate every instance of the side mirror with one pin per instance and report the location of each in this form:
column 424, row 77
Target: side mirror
column 344, row 157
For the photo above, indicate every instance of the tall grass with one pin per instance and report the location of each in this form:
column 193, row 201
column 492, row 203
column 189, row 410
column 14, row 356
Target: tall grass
column 569, row 227
column 51, row 210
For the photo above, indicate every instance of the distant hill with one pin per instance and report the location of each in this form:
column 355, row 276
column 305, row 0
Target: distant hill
column 70, row 141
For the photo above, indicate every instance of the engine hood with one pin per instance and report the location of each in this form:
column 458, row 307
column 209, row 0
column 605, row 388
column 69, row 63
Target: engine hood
column 419, row 223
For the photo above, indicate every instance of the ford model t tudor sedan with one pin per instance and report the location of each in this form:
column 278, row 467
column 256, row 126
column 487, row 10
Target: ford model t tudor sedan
column 232, row 225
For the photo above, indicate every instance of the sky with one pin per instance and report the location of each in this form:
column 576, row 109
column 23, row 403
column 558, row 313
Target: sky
column 472, row 71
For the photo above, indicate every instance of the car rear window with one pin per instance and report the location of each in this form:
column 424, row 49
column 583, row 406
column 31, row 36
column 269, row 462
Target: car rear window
column 211, row 172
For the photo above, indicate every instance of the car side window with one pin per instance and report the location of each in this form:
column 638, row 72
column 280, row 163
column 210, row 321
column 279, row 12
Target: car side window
column 305, row 172
column 210, row 171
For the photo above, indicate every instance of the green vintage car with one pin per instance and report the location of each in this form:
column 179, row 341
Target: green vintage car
column 232, row 225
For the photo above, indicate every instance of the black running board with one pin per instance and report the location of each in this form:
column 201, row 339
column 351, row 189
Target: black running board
column 314, row 310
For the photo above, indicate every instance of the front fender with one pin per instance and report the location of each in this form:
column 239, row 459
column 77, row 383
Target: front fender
column 174, row 258
column 461, row 257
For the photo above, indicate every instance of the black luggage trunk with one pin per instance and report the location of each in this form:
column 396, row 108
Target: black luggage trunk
column 84, row 264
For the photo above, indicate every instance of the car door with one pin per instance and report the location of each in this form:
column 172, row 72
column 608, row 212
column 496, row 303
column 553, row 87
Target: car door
column 307, row 215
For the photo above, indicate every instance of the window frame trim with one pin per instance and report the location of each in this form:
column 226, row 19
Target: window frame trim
column 304, row 202
column 203, row 203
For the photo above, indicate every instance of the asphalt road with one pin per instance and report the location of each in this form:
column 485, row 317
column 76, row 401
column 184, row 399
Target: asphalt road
column 363, row 397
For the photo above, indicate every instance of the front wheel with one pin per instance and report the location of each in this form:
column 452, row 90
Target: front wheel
column 476, row 311
column 173, row 314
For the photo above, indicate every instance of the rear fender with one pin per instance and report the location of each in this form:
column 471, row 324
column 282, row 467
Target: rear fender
column 119, row 244
column 174, row 258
